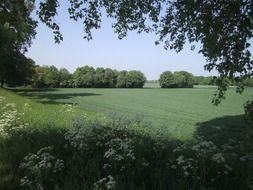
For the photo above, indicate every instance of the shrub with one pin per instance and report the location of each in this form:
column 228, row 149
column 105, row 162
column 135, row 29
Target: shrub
column 41, row 170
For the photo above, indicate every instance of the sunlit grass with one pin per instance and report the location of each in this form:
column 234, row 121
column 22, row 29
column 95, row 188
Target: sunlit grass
column 176, row 111
column 39, row 114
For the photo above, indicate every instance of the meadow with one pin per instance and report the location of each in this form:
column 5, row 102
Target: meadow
column 176, row 111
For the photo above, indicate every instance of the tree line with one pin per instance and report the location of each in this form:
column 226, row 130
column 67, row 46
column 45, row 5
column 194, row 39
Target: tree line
column 26, row 72
column 183, row 79
column 86, row 77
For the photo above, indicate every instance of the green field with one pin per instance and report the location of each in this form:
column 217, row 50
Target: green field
column 177, row 111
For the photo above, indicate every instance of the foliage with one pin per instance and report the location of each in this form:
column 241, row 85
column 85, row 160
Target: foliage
column 41, row 170
column 18, row 70
column 166, row 79
column 179, row 79
column 107, row 78
column 249, row 110
column 9, row 118
column 121, row 79
column 17, row 29
column 201, row 80
column 135, row 79
column 104, row 153
column 64, row 78
column 84, row 76
column 248, row 82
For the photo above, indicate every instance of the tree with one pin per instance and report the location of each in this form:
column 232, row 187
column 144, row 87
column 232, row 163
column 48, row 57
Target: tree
column 51, row 76
column 99, row 77
column 64, row 77
column 17, row 29
column 109, row 78
column 166, row 80
column 38, row 77
column 19, row 70
column 46, row 76
column 183, row 79
column 179, row 79
column 84, row 76
column 121, row 79
column 135, row 79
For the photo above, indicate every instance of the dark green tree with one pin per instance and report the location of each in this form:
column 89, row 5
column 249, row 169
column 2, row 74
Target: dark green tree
column 19, row 70
column 17, row 29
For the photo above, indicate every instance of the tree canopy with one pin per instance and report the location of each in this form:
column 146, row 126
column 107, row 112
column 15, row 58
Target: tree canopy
column 17, row 29
column 179, row 79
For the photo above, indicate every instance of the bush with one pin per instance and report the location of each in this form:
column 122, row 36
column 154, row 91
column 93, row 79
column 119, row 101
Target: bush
column 41, row 170
column 120, row 155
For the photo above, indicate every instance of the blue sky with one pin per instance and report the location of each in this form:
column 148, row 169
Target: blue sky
column 134, row 52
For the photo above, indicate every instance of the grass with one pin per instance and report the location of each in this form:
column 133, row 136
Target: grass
column 103, row 147
column 177, row 111
column 41, row 114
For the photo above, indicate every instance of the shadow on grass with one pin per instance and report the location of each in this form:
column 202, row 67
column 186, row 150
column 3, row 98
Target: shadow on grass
column 224, row 129
column 51, row 96
column 23, row 90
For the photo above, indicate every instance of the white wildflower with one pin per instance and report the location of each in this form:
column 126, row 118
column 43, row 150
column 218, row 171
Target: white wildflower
column 68, row 108
column 180, row 159
column 9, row 120
column 219, row 158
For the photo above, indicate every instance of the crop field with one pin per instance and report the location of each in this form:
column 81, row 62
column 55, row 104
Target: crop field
column 176, row 111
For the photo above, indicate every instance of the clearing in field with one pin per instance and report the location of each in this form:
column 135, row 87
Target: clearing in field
column 176, row 111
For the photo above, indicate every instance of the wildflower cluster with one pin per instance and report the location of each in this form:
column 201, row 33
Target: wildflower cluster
column 41, row 170
column 105, row 183
column 68, row 108
column 9, row 118
column 205, row 163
